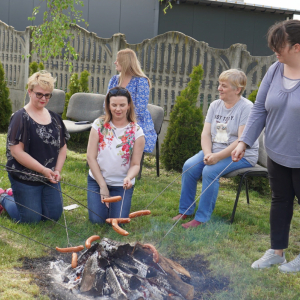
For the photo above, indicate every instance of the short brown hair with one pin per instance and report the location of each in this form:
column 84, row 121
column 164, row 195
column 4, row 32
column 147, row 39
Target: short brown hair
column 43, row 79
column 282, row 33
column 115, row 92
column 236, row 78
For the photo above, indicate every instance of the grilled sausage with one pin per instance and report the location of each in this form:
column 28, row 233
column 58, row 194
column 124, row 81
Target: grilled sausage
column 112, row 199
column 139, row 213
column 154, row 251
column 70, row 249
column 117, row 228
column 119, row 220
column 74, row 260
column 90, row 240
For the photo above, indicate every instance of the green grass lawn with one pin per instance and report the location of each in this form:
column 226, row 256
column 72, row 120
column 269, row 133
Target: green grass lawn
column 229, row 249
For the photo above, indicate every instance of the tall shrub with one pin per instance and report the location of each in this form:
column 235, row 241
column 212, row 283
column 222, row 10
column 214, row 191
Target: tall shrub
column 76, row 86
column 5, row 103
column 185, row 126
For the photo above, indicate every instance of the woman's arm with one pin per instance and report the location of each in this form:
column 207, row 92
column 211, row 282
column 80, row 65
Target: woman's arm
column 213, row 158
column 206, row 142
column 26, row 160
column 141, row 97
column 92, row 152
column 60, row 161
column 135, row 163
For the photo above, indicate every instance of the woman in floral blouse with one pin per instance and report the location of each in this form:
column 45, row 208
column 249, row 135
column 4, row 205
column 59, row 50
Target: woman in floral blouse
column 114, row 152
column 138, row 84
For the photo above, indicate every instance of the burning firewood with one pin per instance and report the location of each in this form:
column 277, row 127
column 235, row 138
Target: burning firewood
column 123, row 271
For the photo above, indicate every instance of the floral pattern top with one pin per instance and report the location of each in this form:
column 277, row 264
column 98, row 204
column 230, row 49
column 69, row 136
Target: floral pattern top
column 139, row 90
column 42, row 142
column 115, row 148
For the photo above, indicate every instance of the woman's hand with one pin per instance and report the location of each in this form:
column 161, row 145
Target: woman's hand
column 239, row 151
column 57, row 175
column 127, row 183
column 211, row 158
column 49, row 174
column 104, row 194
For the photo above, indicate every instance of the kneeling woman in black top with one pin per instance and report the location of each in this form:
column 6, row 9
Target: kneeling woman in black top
column 36, row 151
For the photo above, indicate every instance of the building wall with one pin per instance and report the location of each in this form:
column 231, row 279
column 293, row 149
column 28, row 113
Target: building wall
column 220, row 27
column 138, row 20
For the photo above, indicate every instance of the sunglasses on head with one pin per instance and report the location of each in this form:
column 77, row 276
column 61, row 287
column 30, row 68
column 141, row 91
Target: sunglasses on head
column 118, row 92
column 41, row 95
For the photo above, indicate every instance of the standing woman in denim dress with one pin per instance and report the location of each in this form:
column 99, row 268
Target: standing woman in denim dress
column 138, row 84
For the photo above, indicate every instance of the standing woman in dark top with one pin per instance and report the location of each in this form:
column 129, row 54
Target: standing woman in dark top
column 36, row 151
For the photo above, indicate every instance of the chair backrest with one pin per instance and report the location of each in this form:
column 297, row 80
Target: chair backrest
column 56, row 103
column 85, row 106
column 157, row 115
column 262, row 154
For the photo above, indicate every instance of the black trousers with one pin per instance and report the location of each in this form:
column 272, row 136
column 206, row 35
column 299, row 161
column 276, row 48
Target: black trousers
column 285, row 185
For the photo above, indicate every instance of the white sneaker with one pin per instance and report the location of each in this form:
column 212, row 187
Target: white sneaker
column 291, row 267
column 269, row 259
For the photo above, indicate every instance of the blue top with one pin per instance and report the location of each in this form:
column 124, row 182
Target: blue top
column 277, row 109
column 139, row 90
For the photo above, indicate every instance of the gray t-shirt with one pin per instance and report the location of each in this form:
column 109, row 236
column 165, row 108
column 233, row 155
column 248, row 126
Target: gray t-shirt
column 277, row 109
column 225, row 124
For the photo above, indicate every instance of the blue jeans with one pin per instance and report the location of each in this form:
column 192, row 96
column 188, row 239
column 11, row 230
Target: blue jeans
column 44, row 199
column 208, row 173
column 8, row 202
column 98, row 212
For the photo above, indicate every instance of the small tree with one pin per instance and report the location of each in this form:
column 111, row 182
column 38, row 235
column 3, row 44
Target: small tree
column 252, row 96
column 5, row 103
column 186, row 122
column 76, row 86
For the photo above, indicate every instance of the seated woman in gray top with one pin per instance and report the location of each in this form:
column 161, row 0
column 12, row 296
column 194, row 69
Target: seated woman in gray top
column 224, row 124
column 277, row 108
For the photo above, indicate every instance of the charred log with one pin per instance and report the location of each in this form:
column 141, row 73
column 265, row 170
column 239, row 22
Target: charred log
column 113, row 249
column 136, row 267
column 127, row 281
column 89, row 273
column 88, row 253
column 114, row 284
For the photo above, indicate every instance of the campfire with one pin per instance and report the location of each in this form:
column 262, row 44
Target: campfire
column 113, row 270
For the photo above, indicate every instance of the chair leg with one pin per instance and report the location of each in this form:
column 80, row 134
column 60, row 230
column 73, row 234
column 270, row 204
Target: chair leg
column 247, row 190
column 236, row 199
column 141, row 167
column 157, row 157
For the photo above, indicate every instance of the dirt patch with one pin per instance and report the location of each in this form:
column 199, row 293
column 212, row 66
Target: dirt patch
column 204, row 282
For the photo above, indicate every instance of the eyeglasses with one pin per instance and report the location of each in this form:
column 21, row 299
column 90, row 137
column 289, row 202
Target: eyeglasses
column 119, row 92
column 41, row 95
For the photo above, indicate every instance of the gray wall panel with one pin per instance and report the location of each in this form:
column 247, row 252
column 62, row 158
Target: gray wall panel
column 209, row 26
column 104, row 17
column 179, row 18
column 4, row 11
column 260, row 33
column 19, row 11
column 137, row 20
column 239, row 28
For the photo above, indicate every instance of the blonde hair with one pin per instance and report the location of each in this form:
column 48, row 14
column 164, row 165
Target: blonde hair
column 115, row 92
column 236, row 78
column 43, row 79
column 130, row 65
